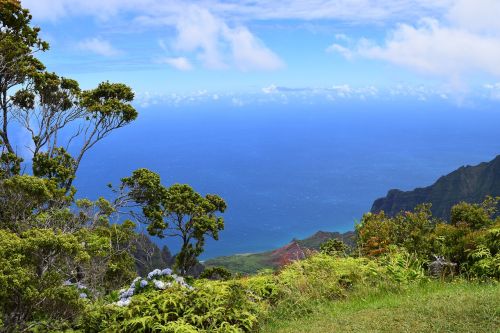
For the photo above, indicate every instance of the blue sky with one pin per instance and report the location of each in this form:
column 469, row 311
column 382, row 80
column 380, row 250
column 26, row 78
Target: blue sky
column 446, row 49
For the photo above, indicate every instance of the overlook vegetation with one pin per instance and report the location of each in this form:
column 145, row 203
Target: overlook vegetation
column 70, row 264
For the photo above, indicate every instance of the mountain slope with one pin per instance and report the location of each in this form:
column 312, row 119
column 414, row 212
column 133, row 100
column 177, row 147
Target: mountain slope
column 468, row 183
column 296, row 249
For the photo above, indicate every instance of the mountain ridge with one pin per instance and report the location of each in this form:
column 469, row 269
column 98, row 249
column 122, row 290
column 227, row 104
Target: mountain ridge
column 467, row 183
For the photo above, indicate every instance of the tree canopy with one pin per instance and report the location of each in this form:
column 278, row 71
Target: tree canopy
column 176, row 211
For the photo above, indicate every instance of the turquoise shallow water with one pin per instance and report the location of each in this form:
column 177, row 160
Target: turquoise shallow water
column 289, row 170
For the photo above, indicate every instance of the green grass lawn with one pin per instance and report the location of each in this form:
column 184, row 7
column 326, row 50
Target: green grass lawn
column 433, row 307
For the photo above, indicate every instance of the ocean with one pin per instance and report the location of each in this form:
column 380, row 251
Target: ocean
column 289, row 170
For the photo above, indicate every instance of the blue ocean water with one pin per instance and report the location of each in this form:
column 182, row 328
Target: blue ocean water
column 288, row 171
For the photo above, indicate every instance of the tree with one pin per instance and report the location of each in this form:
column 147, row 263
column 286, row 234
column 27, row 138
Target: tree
column 18, row 44
column 176, row 211
column 33, row 268
column 411, row 230
column 334, row 247
column 52, row 245
column 475, row 216
column 63, row 121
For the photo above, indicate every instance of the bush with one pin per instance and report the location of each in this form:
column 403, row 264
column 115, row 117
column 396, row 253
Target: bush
column 216, row 273
column 32, row 272
column 334, row 247
column 211, row 306
column 402, row 267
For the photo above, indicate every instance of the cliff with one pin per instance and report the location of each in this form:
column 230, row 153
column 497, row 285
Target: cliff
column 468, row 183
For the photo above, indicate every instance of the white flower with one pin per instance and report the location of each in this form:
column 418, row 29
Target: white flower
column 123, row 302
column 154, row 273
column 83, row 295
column 166, row 271
column 159, row 284
column 80, row 286
column 67, row 283
column 132, row 285
column 144, row 283
column 127, row 293
column 179, row 279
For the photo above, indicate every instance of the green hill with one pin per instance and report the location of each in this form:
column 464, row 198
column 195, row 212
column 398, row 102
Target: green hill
column 468, row 183
column 297, row 249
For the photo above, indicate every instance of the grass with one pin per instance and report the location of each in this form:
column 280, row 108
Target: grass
column 242, row 263
column 432, row 307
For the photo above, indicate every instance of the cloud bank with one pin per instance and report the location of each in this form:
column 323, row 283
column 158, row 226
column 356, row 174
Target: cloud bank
column 467, row 40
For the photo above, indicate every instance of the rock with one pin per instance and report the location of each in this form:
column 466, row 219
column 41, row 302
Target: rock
column 441, row 267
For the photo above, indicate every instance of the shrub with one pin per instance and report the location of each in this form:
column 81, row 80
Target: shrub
column 211, row 306
column 402, row 267
column 216, row 273
column 32, row 272
column 334, row 247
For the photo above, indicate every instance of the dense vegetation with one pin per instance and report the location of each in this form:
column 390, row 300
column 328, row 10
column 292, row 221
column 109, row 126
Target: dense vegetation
column 72, row 264
column 59, row 252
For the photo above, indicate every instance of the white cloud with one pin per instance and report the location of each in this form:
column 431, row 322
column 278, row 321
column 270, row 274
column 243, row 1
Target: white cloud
column 466, row 41
column 343, row 90
column 480, row 16
column 272, row 89
column 219, row 46
column 199, row 31
column 349, row 10
column 215, row 31
column 436, row 49
column 493, row 90
column 342, row 50
column 179, row 63
column 98, row 46
column 250, row 53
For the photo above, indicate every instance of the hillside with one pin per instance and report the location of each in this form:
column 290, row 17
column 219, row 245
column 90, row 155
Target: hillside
column 296, row 249
column 431, row 307
column 468, row 183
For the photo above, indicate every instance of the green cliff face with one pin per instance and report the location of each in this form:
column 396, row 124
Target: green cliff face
column 468, row 183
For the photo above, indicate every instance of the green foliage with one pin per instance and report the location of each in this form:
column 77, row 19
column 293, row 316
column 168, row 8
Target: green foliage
column 334, row 247
column 33, row 267
column 176, row 211
column 109, row 262
column 376, row 232
column 58, row 166
column 10, row 164
column 52, row 109
column 209, row 307
column 243, row 263
column 403, row 267
column 110, row 102
column 470, row 240
column 23, row 198
column 474, row 216
column 216, row 273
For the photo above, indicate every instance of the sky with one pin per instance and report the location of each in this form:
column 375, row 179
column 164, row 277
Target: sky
column 164, row 49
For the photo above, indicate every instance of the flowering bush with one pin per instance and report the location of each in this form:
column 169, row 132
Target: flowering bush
column 209, row 306
column 156, row 279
